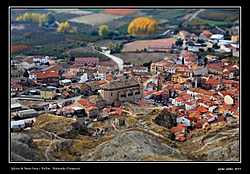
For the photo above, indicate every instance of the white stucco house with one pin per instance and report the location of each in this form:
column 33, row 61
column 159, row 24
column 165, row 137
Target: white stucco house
column 183, row 119
column 41, row 59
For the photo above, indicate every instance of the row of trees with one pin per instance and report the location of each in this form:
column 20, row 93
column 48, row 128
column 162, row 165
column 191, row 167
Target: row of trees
column 219, row 16
column 43, row 19
column 142, row 26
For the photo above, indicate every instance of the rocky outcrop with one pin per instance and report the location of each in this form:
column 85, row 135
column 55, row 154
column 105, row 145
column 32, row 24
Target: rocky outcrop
column 222, row 144
column 60, row 126
column 134, row 146
column 165, row 119
column 23, row 148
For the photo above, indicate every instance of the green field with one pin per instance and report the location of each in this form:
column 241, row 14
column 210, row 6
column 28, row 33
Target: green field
column 213, row 22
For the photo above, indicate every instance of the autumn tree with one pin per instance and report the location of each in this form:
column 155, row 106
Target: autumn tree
column 42, row 20
column 142, row 26
column 103, row 31
column 28, row 17
column 63, row 27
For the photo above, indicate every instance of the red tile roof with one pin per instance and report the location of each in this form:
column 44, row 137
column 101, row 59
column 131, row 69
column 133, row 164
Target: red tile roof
column 39, row 57
column 102, row 82
column 41, row 75
column 225, row 106
column 206, row 32
column 142, row 103
column 84, row 102
column 201, row 109
column 53, row 68
column 93, row 59
column 212, row 82
column 118, row 111
column 169, row 44
column 16, row 85
column 177, row 129
column 65, row 93
column 183, row 124
column 52, row 74
column 89, row 108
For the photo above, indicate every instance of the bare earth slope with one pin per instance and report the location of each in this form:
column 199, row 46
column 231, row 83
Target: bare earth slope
column 145, row 137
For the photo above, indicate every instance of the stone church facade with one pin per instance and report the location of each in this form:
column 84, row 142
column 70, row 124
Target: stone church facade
column 130, row 89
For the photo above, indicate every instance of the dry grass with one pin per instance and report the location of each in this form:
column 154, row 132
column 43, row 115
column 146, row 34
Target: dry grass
column 42, row 142
column 158, row 158
column 131, row 120
column 53, row 123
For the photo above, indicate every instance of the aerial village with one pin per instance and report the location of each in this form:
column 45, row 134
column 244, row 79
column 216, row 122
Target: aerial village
column 202, row 94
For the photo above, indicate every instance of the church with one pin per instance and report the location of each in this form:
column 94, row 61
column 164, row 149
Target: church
column 124, row 89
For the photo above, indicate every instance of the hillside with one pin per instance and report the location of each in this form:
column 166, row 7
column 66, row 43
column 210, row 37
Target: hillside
column 55, row 138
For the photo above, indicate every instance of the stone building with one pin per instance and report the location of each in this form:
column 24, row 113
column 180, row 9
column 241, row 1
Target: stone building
column 128, row 89
column 48, row 93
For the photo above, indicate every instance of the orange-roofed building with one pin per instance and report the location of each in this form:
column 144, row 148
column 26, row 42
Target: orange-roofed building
column 48, row 77
column 65, row 94
column 180, row 137
column 212, row 84
column 109, row 78
column 183, row 124
column 205, row 35
column 118, row 111
column 92, row 111
column 83, row 103
column 201, row 109
column 102, row 82
column 177, row 129
column 16, row 87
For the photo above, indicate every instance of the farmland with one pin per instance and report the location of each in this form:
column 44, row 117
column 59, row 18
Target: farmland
column 140, row 44
column 213, row 22
column 72, row 11
column 95, row 19
column 138, row 59
column 119, row 11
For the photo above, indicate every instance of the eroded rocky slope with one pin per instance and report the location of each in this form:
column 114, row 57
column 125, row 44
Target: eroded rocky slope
column 144, row 137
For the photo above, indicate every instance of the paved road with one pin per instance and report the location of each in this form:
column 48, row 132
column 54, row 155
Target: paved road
column 117, row 60
column 166, row 32
column 218, row 28
column 190, row 19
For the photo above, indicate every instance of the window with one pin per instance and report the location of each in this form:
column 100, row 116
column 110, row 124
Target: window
column 111, row 94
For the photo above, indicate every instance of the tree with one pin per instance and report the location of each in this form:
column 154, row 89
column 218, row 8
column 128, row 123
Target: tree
column 103, row 31
column 42, row 20
column 180, row 25
column 201, row 41
column 142, row 26
column 205, row 61
column 26, row 74
column 63, row 27
column 72, row 58
column 49, row 18
column 94, row 33
column 179, row 42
